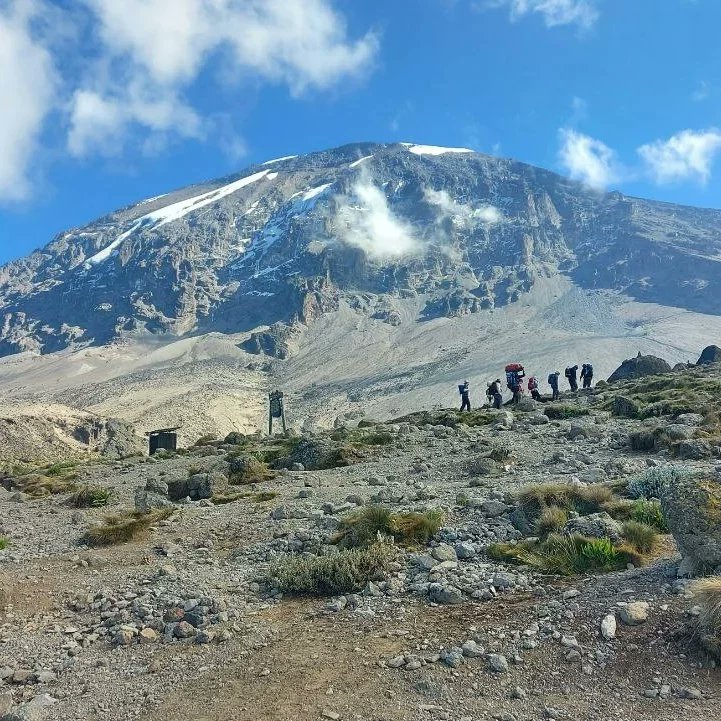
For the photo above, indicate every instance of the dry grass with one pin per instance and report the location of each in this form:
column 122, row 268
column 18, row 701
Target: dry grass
column 640, row 536
column 536, row 498
column 247, row 469
column 707, row 595
column 552, row 519
column 124, row 527
column 40, row 486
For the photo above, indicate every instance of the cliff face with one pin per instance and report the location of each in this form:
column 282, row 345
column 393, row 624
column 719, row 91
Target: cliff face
column 287, row 241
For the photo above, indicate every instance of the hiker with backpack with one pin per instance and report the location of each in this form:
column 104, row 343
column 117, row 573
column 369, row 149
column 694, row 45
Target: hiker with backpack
column 514, row 380
column 494, row 393
column 572, row 376
column 586, row 374
column 464, row 390
column 533, row 389
column 553, row 382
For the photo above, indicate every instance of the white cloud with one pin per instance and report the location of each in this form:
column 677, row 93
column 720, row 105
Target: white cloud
column 366, row 221
column 28, row 85
column 686, row 155
column 461, row 213
column 554, row 12
column 151, row 52
column 587, row 159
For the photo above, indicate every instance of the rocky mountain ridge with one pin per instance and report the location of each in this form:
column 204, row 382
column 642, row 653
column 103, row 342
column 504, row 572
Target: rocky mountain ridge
column 367, row 226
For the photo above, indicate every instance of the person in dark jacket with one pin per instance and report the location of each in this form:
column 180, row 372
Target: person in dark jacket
column 464, row 390
column 553, row 382
column 494, row 392
column 587, row 374
column 572, row 376
column 533, row 388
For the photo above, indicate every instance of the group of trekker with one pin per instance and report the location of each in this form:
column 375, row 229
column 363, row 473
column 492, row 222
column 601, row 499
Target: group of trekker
column 515, row 375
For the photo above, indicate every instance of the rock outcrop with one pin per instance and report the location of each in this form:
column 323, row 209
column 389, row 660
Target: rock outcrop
column 710, row 354
column 640, row 367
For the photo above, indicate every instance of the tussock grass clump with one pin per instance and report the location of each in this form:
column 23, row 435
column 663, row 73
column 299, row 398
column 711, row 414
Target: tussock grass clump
column 124, row 527
column 91, row 497
column 650, row 513
column 556, row 411
column 536, row 498
column 552, row 519
column 221, row 498
column 365, row 526
column 640, row 536
column 4, row 542
column 264, row 496
column 40, row 486
column 707, row 595
column 62, row 468
column 346, row 571
column 248, row 469
column 567, row 555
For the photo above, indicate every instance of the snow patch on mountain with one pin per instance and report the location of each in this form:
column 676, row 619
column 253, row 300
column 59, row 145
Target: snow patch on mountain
column 355, row 163
column 435, row 149
column 279, row 160
column 313, row 192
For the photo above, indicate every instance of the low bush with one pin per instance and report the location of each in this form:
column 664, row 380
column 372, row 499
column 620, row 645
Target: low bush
column 62, row 468
column 651, row 482
column 346, row 571
column 556, row 411
column 650, row 513
column 91, row 497
column 206, row 440
column 123, row 527
column 645, row 441
column 365, row 526
column 640, row 536
column 4, row 542
column 220, row 499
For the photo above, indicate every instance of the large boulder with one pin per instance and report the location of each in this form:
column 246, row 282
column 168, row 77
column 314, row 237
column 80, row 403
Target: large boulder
column 640, row 367
column 692, row 507
column 710, row 354
column 197, row 486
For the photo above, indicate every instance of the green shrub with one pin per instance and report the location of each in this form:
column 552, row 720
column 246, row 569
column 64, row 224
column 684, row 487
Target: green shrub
column 650, row 513
column 247, row 469
column 4, row 542
column 600, row 554
column 552, row 519
column 641, row 536
column 206, row 440
column 220, row 499
column 91, row 497
column 62, row 468
column 342, row 572
column 462, row 499
column 39, row 486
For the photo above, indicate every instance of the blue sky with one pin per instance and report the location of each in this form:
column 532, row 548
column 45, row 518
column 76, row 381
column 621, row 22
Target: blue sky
column 107, row 102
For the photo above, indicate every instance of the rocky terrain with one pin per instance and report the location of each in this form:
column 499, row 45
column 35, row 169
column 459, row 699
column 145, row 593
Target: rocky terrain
column 488, row 565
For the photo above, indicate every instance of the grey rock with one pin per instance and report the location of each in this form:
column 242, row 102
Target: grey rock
column 497, row 663
column 595, row 525
column 634, row 614
column 446, row 595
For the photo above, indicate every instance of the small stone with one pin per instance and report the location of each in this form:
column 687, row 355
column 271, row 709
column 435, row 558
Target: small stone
column 332, row 715
column 635, row 613
column 608, row 627
column 148, row 635
column 497, row 663
column 183, row 629
column 396, row 662
column 444, row 552
column 472, row 650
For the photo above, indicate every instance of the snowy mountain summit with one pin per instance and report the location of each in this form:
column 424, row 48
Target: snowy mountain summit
column 363, row 227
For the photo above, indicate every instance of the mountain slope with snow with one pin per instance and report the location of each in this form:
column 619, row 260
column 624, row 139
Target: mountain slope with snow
column 292, row 239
